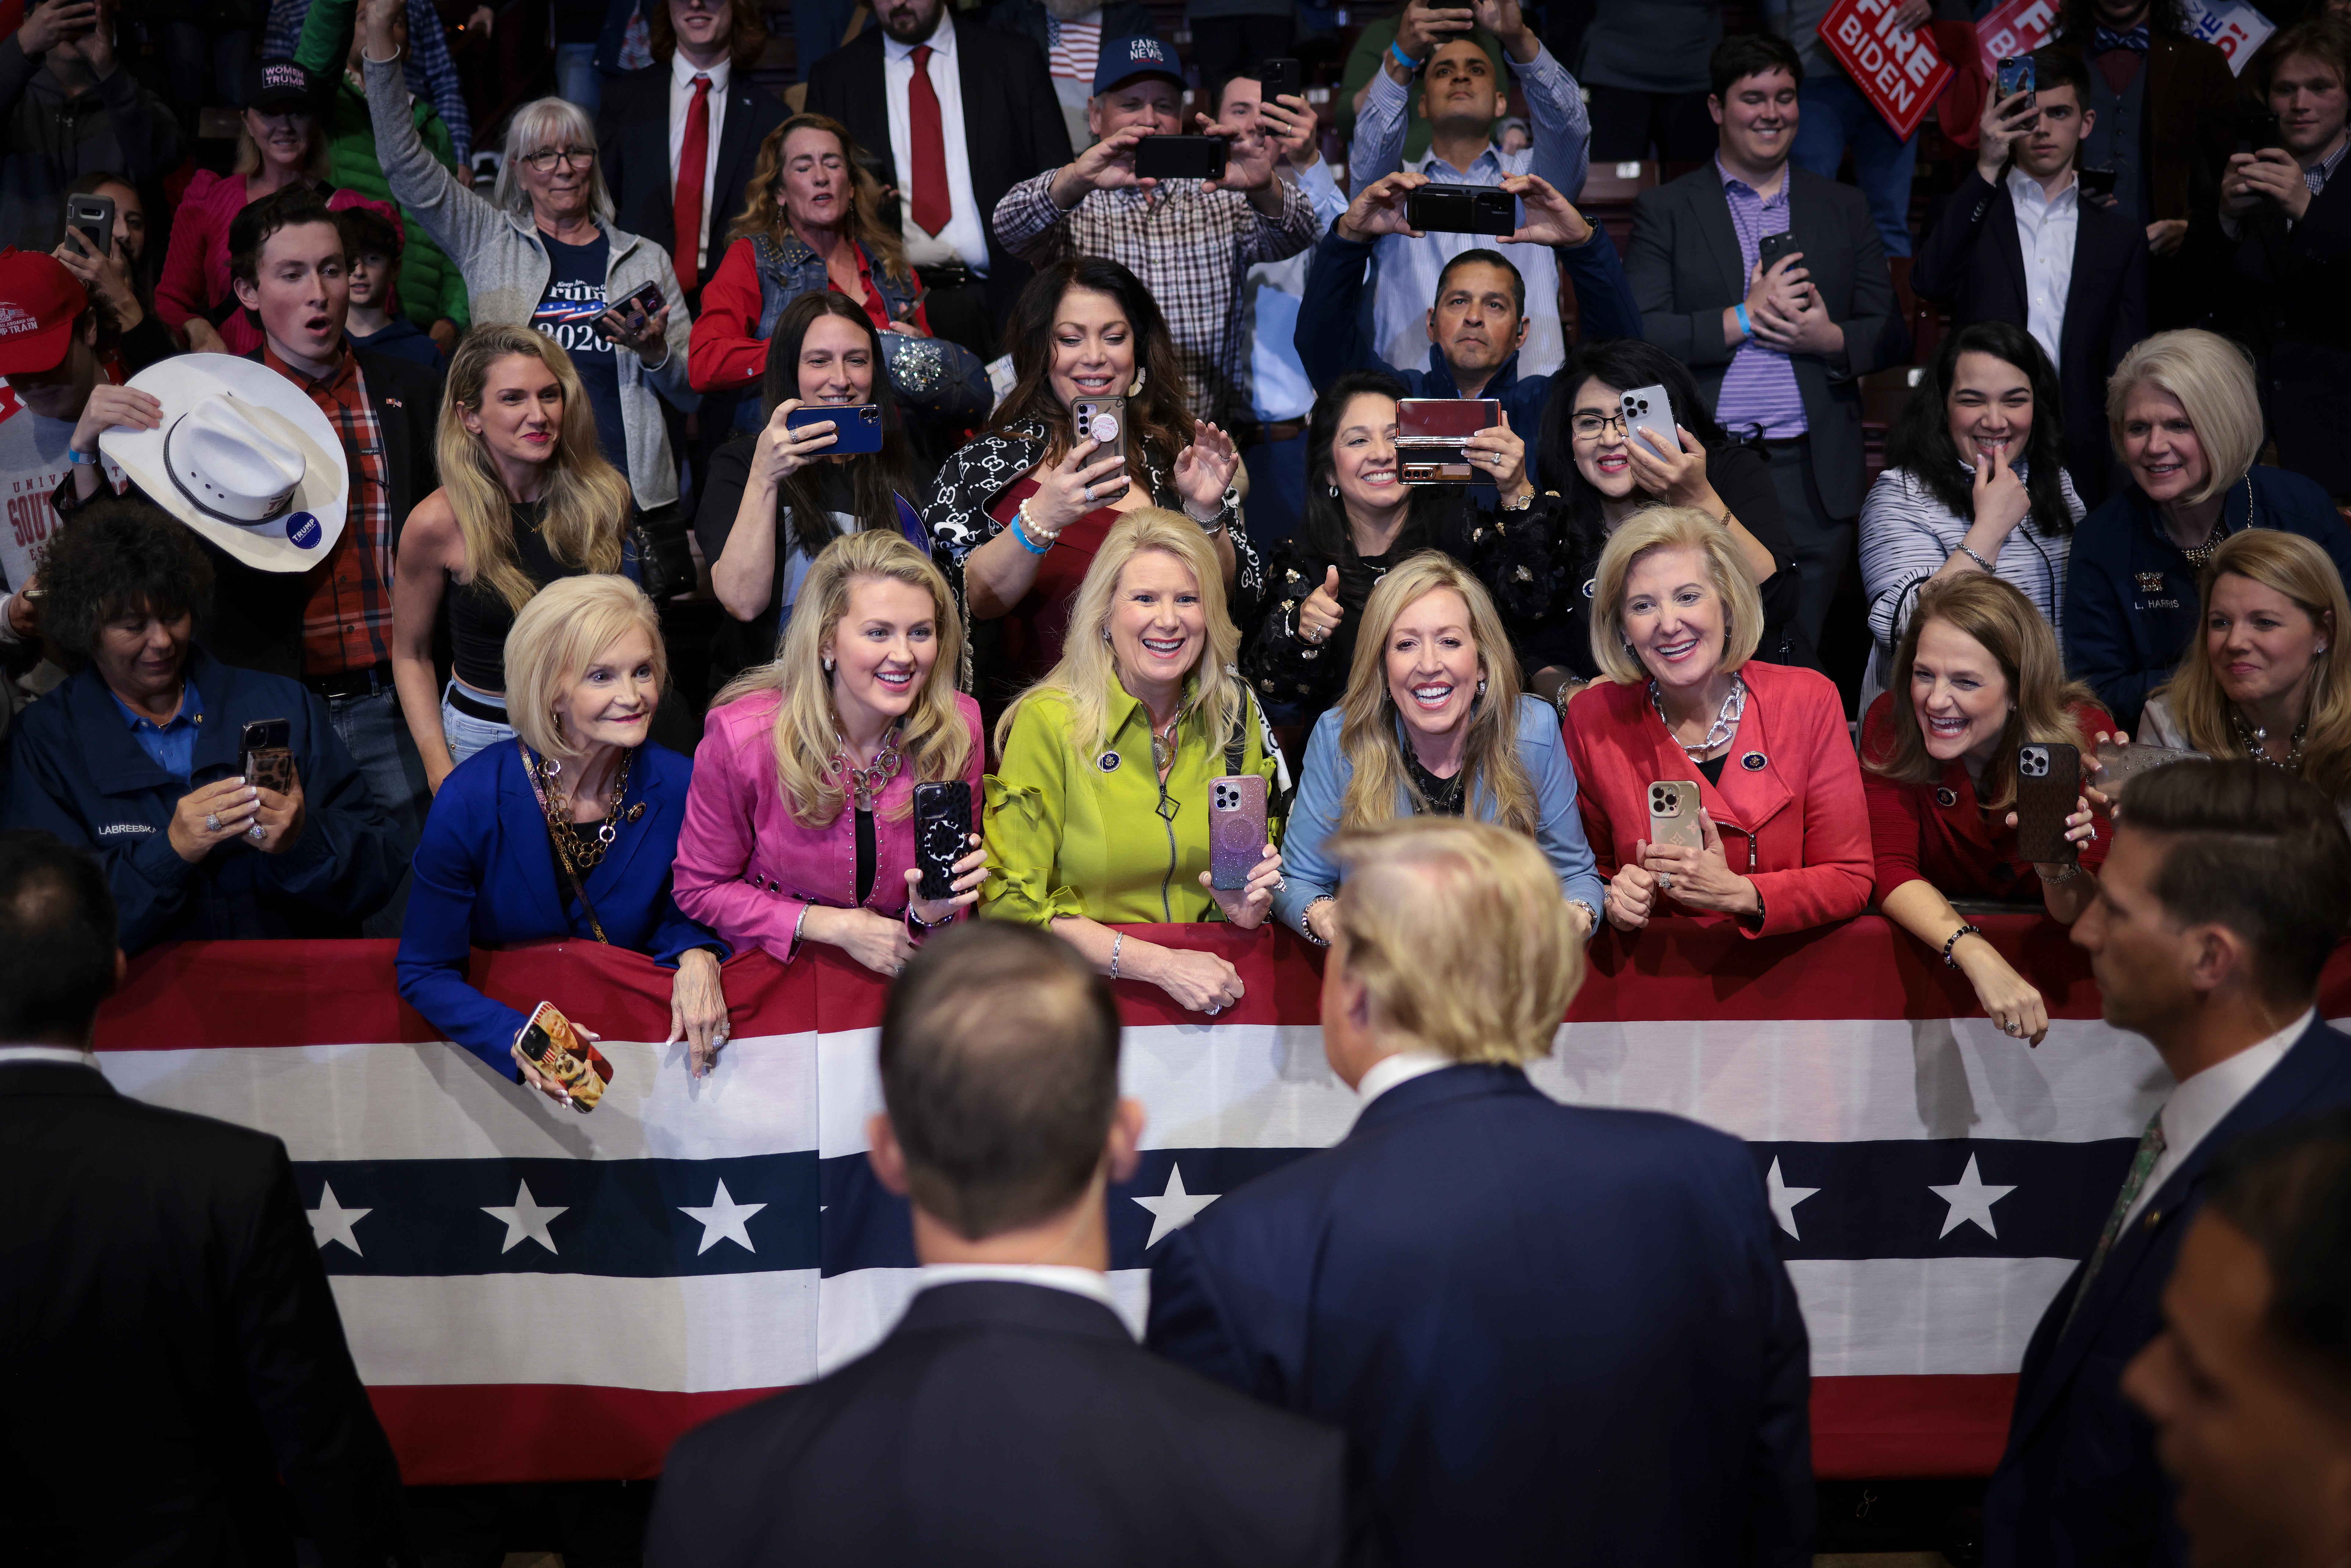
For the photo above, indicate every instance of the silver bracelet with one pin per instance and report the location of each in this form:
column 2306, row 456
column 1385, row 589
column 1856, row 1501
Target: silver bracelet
column 1305, row 922
column 1116, row 943
column 798, row 924
column 1591, row 916
column 1977, row 558
column 2068, row 875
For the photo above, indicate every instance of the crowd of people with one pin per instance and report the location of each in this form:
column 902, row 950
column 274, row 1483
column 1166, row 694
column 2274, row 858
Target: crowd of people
column 341, row 600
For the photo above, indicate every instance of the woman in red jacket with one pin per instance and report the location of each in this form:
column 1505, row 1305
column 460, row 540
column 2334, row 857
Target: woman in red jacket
column 1976, row 676
column 1675, row 624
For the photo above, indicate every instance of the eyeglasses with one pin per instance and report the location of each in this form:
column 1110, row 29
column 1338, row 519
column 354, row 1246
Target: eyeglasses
column 544, row 163
column 1592, row 426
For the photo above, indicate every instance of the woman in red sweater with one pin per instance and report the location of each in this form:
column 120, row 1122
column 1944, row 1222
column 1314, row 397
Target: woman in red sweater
column 1674, row 623
column 1976, row 676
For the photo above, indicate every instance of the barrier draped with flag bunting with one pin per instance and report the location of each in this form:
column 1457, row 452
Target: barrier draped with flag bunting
column 535, row 1294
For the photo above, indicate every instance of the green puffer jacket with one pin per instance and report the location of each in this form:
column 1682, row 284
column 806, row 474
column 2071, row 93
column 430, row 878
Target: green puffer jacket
column 430, row 286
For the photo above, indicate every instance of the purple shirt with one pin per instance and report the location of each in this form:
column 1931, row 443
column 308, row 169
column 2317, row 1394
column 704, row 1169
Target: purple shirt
column 1759, row 385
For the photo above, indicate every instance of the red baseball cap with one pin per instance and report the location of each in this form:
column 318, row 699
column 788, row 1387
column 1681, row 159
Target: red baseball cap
column 39, row 301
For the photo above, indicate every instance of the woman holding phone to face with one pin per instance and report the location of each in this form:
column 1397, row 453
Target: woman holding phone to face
column 1019, row 511
column 773, row 501
column 800, row 824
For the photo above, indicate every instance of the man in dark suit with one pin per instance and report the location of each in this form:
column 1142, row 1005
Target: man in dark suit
column 985, row 94
column 1557, row 1334
column 1780, row 349
column 2249, row 1383
column 1009, row 1417
column 170, row 1362
column 2020, row 242
column 2291, row 216
column 2225, row 890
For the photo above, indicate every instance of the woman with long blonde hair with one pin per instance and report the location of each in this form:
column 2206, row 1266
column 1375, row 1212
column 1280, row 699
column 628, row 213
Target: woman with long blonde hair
column 1976, row 676
column 812, row 223
column 2269, row 676
column 1099, row 811
column 526, row 497
column 801, row 826
column 1433, row 722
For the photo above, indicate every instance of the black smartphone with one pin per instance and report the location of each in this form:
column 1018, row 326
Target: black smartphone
column 263, row 757
column 1462, row 210
column 646, row 301
column 2015, row 76
column 2097, row 179
column 93, row 217
column 1181, row 158
column 856, row 427
column 1280, row 79
column 2257, row 130
column 2048, row 783
column 942, row 834
column 1772, row 247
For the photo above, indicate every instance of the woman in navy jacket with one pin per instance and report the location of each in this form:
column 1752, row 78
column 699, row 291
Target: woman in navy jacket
column 136, row 758
column 2186, row 422
column 578, row 794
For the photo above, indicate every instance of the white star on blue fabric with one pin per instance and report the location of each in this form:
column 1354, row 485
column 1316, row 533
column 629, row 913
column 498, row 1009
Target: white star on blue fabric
column 724, row 1220
column 526, row 1219
column 1785, row 1197
column 331, row 1221
column 1970, row 1201
column 1174, row 1208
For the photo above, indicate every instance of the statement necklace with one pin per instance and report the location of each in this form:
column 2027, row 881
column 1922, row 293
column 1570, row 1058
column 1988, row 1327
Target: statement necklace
column 2202, row 556
column 1163, row 744
column 2255, row 741
column 1725, row 725
column 866, row 784
column 585, row 842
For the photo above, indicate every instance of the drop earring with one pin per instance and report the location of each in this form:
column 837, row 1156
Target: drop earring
column 1481, row 686
column 1136, row 390
column 826, row 662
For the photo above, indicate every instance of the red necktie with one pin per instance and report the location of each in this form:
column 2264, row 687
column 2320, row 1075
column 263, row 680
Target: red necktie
column 691, row 159
column 931, row 207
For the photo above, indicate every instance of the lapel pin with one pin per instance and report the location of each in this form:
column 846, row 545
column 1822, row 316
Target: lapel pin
column 1947, row 797
column 1107, row 761
column 2154, row 1217
column 1753, row 762
column 2150, row 581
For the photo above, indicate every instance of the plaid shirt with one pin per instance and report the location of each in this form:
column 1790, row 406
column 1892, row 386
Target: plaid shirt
column 347, row 625
column 431, row 72
column 1191, row 248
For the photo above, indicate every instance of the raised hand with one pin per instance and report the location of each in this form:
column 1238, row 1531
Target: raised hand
column 1378, row 208
column 1204, row 470
column 1320, row 614
column 1074, row 487
column 1497, row 448
column 1552, row 218
column 1290, row 124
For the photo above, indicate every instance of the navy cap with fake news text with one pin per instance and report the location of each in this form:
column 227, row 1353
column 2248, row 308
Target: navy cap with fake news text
column 1123, row 59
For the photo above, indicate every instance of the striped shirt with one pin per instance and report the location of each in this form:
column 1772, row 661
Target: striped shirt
column 1074, row 49
column 1759, row 389
column 347, row 625
column 1906, row 534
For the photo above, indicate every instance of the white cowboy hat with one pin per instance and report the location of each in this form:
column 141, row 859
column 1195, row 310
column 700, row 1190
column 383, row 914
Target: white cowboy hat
column 242, row 457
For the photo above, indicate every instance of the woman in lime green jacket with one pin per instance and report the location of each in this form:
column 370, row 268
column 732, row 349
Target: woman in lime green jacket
column 432, row 291
column 1099, row 810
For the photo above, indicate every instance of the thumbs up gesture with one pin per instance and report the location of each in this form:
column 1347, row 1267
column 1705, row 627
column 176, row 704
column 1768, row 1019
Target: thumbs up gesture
column 1320, row 615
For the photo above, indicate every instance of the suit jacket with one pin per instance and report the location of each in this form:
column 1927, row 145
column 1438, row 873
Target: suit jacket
column 1972, row 263
column 1684, row 271
column 1011, row 120
column 1008, row 1424
column 171, row 1362
column 1789, row 808
column 1556, row 1333
column 2293, row 297
column 2187, row 131
column 632, row 140
column 2079, row 1485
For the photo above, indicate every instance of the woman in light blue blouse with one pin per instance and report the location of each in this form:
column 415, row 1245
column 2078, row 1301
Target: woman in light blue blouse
column 1433, row 722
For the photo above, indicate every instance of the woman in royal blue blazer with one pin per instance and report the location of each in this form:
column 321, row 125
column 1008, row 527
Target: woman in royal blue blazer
column 1433, row 722
column 568, row 832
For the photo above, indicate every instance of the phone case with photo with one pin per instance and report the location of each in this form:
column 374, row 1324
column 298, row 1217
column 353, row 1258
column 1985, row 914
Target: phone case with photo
column 554, row 1045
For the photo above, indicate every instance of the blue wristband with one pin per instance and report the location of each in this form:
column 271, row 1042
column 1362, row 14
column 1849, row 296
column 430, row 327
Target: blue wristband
column 1020, row 536
column 88, row 459
column 1407, row 61
column 1746, row 328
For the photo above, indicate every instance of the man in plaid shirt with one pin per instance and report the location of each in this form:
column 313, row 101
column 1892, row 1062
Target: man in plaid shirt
column 1191, row 242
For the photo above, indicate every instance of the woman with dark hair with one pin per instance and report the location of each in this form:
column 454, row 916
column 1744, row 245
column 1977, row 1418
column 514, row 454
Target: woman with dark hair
column 1361, row 519
column 136, row 758
column 1019, row 511
column 774, row 500
column 1975, row 481
column 812, row 223
column 1542, row 571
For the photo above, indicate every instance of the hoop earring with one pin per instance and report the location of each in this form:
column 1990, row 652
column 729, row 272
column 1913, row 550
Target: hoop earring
column 1136, row 390
column 1334, row 492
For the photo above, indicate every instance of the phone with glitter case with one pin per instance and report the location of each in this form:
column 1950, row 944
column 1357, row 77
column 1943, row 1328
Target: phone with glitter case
column 1236, row 829
column 1673, row 814
column 942, row 834
column 2048, row 783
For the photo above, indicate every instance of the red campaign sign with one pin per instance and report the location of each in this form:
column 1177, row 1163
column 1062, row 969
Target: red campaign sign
column 2018, row 28
column 1899, row 71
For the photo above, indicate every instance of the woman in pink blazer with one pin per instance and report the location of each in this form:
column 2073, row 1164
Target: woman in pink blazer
column 800, row 823
column 1784, row 824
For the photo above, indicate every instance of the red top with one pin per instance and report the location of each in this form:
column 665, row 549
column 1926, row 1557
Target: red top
column 1789, row 807
column 1032, row 633
column 1937, row 834
column 194, row 279
column 721, row 354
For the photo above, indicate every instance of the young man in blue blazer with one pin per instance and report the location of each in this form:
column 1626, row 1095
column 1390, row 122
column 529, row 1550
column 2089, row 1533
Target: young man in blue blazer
column 2228, row 885
column 1556, row 1333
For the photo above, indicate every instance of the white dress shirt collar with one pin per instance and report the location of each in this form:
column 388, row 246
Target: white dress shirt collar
column 1087, row 1282
column 2047, row 229
column 942, row 41
column 1402, row 1068
column 2203, row 1101
column 68, row 1055
column 682, row 73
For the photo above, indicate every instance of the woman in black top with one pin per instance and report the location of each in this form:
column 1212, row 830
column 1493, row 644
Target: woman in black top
column 526, row 497
column 1542, row 570
column 775, row 498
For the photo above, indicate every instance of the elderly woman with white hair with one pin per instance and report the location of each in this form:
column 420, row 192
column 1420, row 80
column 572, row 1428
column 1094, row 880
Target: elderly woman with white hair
column 2186, row 422
column 543, row 252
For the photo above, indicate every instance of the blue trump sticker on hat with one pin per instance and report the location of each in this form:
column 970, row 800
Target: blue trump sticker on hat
column 302, row 531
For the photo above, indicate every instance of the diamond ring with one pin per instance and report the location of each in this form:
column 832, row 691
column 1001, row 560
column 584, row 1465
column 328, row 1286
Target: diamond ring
column 212, row 821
